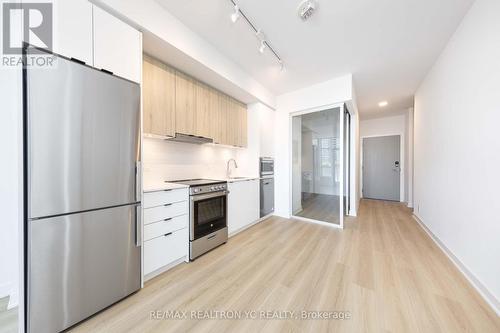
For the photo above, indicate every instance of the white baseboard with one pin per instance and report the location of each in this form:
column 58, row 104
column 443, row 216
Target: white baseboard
column 480, row 288
column 326, row 224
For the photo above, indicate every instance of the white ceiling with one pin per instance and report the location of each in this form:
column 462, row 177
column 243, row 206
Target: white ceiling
column 388, row 45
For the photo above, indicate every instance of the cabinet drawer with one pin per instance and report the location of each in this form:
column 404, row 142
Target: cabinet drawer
column 154, row 199
column 161, row 228
column 166, row 211
column 162, row 251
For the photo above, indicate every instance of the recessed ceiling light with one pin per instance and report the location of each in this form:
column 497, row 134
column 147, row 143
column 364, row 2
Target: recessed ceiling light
column 383, row 104
column 306, row 9
column 236, row 15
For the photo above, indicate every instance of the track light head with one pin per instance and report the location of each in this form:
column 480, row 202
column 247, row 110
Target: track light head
column 236, row 15
column 282, row 66
column 262, row 47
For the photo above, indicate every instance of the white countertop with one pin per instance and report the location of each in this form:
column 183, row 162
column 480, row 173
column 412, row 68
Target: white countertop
column 154, row 185
column 244, row 179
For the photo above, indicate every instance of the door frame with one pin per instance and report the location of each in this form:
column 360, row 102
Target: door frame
column 401, row 162
column 341, row 106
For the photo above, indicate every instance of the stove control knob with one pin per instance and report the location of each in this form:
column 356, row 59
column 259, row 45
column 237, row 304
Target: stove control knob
column 196, row 190
column 212, row 188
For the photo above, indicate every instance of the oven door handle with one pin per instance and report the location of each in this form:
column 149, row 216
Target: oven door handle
column 209, row 195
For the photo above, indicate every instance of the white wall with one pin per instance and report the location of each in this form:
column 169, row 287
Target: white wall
column 457, row 148
column 10, row 190
column 11, row 181
column 319, row 96
column 393, row 125
column 409, row 159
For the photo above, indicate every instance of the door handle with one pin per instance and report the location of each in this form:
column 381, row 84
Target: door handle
column 138, row 180
column 138, row 226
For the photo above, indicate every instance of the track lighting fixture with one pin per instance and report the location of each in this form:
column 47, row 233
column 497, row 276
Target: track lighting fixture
column 262, row 47
column 236, row 15
column 264, row 44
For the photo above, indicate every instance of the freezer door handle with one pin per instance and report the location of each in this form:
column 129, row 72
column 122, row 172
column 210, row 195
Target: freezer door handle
column 138, row 180
column 138, row 226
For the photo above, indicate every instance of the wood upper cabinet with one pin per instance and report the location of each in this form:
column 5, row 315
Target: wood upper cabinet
column 203, row 111
column 158, row 98
column 176, row 103
column 185, row 104
column 233, row 126
column 243, row 125
column 224, row 106
column 215, row 115
column 236, row 123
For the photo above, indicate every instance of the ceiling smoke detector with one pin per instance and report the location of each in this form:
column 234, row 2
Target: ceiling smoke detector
column 306, row 9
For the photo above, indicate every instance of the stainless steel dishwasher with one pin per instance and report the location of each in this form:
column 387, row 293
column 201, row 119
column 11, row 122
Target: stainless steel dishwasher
column 266, row 196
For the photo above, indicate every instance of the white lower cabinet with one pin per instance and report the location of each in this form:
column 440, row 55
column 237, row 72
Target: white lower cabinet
column 243, row 204
column 166, row 233
column 163, row 250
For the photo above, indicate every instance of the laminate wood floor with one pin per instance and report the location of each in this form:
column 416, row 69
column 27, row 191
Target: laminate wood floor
column 321, row 207
column 382, row 268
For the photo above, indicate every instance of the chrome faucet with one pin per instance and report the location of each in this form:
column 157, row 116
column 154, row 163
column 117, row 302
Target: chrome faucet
column 228, row 171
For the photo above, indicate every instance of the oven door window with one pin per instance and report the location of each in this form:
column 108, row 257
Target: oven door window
column 209, row 215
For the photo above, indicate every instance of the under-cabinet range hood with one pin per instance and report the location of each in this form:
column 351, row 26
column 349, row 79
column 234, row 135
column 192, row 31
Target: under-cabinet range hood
column 199, row 140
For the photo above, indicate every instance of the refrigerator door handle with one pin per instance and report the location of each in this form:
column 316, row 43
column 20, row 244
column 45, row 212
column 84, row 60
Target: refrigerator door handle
column 138, row 226
column 138, row 180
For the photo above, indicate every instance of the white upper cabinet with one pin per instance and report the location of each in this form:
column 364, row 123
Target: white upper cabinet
column 72, row 30
column 117, row 46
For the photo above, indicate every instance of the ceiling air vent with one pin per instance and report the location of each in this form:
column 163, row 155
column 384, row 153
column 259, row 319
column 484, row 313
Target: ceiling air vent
column 306, row 9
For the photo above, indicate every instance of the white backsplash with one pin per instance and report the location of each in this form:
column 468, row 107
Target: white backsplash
column 169, row 160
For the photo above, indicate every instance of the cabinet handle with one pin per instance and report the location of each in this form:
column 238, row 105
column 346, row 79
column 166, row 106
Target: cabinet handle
column 167, row 190
column 106, row 71
column 78, row 61
column 166, row 205
column 165, row 220
column 166, row 235
column 212, row 237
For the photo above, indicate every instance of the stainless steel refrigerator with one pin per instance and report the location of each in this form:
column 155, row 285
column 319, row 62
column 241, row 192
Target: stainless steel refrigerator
column 82, row 148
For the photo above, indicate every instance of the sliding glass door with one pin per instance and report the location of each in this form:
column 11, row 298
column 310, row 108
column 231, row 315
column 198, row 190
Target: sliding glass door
column 317, row 166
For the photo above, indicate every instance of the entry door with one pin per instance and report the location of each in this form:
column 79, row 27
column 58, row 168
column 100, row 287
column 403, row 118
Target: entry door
column 382, row 168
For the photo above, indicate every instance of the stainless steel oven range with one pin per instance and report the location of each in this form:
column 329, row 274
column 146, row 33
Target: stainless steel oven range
column 207, row 215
